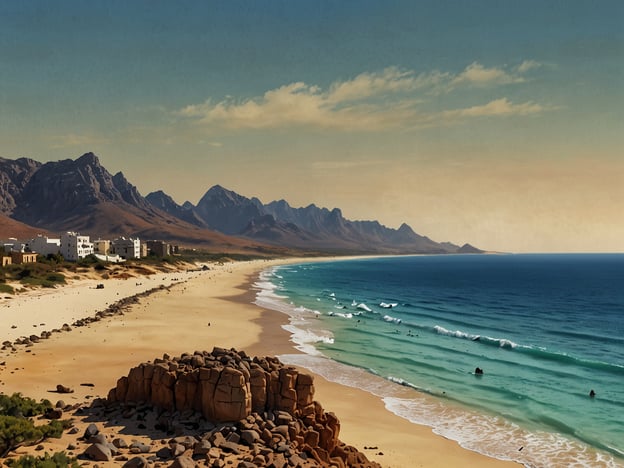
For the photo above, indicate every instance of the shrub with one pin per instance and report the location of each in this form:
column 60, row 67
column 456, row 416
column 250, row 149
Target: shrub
column 55, row 278
column 59, row 459
column 17, row 429
column 18, row 405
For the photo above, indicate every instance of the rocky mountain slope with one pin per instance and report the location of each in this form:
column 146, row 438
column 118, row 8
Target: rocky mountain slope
column 309, row 227
column 81, row 195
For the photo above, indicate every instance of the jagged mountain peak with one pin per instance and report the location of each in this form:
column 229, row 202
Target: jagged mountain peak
column 88, row 158
column 227, row 211
column 467, row 248
column 82, row 195
column 160, row 199
column 405, row 228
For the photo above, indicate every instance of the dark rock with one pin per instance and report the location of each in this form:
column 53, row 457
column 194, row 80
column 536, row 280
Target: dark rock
column 53, row 413
column 164, row 453
column 90, row 431
column 249, row 437
column 63, row 389
column 136, row 462
column 120, row 443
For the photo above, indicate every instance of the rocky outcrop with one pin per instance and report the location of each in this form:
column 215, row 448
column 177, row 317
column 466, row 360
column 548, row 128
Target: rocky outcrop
column 257, row 404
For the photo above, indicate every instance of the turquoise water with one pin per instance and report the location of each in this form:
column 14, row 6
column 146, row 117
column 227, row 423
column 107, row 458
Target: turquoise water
column 545, row 330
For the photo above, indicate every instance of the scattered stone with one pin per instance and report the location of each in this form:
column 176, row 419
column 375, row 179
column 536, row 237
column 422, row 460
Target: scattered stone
column 99, row 452
column 136, row 462
column 53, row 413
column 119, row 443
column 90, row 431
column 183, row 462
column 98, row 439
column 63, row 389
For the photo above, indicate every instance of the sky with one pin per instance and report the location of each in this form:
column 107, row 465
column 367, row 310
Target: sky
column 496, row 123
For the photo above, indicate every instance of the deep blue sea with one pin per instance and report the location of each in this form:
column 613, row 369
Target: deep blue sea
column 544, row 329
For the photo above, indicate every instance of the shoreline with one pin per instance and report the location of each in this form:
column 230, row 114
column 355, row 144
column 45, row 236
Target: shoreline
column 214, row 308
column 382, row 435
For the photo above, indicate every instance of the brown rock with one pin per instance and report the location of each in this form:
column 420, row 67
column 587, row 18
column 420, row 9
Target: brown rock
column 99, row 452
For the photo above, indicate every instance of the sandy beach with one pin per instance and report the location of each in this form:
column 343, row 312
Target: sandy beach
column 197, row 311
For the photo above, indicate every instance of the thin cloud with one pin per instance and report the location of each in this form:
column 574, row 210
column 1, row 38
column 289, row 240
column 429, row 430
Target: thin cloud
column 527, row 66
column 372, row 101
column 497, row 107
column 476, row 74
column 73, row 140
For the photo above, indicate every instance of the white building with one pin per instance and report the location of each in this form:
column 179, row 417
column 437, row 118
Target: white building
column 126, row 248
column 74, row 246
column 42, row 245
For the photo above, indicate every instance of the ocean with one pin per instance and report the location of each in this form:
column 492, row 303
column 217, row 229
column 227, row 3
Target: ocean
column 545, row 330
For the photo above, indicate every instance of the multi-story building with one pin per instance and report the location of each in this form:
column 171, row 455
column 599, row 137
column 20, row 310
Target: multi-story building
column 144, row 250
column 43, row 245
column 126, row 248
column 101, row 246
column 158, row 248
column 74, row 246
column 23, row 257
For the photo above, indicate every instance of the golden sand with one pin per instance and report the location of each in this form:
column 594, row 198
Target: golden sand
column 207, row 309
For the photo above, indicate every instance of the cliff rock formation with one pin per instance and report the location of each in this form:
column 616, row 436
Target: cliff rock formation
column 269, row 406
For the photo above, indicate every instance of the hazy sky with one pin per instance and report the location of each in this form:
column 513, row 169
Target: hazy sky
column 498, row 123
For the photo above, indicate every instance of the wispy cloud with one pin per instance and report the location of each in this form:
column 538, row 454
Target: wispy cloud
column 497, row 107
column 73, row 140
column 476, row 74
column 371, row 101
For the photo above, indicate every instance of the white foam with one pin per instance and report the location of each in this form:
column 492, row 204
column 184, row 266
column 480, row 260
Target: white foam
column 456, row 333
column 364, row 307
column 489, row 435
column 305, row 340
column 389, row 318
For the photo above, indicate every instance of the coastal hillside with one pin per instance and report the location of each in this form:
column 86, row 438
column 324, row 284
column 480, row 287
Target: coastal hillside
column 81, row 195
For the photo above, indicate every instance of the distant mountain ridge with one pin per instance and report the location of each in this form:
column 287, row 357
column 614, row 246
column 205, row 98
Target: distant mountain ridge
column 82, row 195
column 308, row 227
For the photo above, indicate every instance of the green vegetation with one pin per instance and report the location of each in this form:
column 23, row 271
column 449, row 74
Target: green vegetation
column 16, row 424
column 192, row 255
column 52, row 270
column 58, row 460
column 19, row 406
column 42, row 274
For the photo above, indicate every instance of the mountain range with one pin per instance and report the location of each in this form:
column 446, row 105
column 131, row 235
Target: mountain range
column 81, row 195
